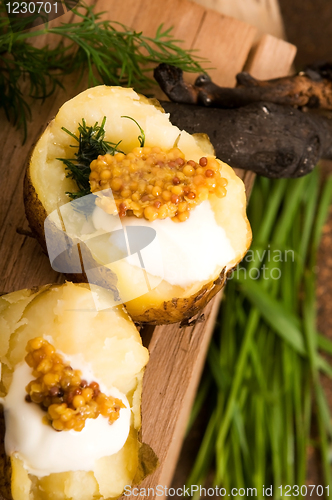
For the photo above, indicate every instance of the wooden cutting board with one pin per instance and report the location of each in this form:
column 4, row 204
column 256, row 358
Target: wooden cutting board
column 177, row 354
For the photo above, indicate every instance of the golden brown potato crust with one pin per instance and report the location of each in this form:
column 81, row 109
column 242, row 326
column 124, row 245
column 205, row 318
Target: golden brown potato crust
column 34, row 210
column 173, row 311
column 176, row 306
column 180, row 309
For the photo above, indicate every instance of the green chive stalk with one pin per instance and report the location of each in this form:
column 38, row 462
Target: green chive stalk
column 264, row 362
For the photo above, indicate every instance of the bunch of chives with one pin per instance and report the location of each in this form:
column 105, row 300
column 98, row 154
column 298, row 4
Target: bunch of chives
column 262, row 382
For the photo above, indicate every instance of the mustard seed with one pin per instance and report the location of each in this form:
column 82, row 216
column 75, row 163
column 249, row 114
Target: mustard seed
column 71, row 401
column 147, row 173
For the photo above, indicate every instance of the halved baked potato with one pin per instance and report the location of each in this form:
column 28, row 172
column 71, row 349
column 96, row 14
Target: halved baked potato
column 109, row 344
column 217, row 234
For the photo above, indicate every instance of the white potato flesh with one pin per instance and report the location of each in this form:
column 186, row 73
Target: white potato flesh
column 110, row 342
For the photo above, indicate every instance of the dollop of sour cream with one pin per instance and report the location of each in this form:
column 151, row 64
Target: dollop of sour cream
column 191, row 251
column 45, row 451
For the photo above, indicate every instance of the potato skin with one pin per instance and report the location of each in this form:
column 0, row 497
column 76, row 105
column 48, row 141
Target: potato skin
column 34, row 209
column 182, row 309
column 173, row 309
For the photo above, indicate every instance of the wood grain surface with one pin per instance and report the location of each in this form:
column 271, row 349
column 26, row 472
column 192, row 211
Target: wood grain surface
column 177, row 354
column 279, row 53
column 265, row 15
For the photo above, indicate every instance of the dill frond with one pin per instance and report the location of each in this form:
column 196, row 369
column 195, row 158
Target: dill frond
column 91, row 144
column 109, row 52
column 141, row 138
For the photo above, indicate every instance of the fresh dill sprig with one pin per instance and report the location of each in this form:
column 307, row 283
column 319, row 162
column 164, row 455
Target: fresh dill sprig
column 141, row 137
column 110, row 52
column 91, row 144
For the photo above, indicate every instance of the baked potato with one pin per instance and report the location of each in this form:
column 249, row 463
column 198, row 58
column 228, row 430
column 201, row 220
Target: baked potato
column 41, row 463
column 196, row 253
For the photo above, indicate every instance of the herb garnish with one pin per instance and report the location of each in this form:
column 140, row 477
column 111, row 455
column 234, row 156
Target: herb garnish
column 141, row 137
column 91, row 144
column 111, row 53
